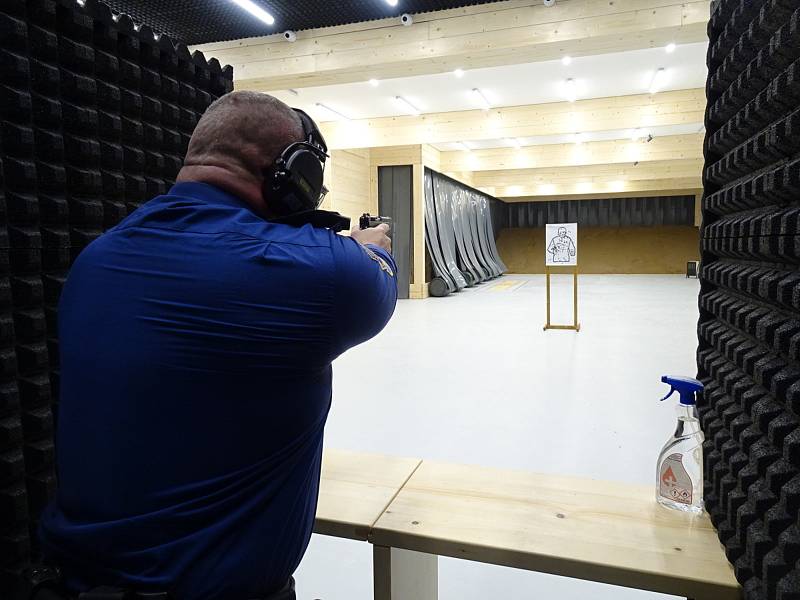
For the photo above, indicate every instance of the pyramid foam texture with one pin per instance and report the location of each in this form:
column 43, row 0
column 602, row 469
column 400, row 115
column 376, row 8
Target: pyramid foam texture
column 749, row 328
column 95, row 115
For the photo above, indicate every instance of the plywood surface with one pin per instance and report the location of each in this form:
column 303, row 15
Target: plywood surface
column 600, row 531
column 355, row 489
column 470, row 37
column 607, row 250
column 679, row 107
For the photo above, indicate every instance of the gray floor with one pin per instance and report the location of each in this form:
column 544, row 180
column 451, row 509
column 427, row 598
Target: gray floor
column 473, row 378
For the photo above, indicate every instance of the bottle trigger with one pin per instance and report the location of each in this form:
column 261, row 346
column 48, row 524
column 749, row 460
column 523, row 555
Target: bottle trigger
column 671, row 391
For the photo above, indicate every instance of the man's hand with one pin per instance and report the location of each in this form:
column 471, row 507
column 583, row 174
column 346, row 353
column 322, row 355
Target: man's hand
column 374, row 235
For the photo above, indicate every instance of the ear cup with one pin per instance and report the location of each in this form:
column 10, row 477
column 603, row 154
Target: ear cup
column 294, row 184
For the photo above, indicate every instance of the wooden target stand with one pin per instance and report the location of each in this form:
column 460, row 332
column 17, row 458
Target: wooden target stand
column 575, row 325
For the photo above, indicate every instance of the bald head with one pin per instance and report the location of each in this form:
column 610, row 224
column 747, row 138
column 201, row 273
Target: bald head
column 239, row 136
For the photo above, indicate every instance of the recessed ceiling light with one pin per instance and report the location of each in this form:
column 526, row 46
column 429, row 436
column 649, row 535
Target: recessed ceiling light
column 407, row 105
column 334, row 112
column 670, row 48
column 566, row 61
column 255, row 10
column 571, row 91
column 391, row 2
column 481, row 98
column 657, row 82
column 374, row 82
column 459, row 73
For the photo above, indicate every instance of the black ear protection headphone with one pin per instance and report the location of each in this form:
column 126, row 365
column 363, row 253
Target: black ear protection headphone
column 293, row 183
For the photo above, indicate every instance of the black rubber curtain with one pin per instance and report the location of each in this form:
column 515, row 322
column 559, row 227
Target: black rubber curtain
column 459, row 234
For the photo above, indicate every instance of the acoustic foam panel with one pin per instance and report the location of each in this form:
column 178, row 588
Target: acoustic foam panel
column 95, row 116
column 749, row 329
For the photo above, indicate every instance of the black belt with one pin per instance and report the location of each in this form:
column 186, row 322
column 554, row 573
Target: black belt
column 44, row 583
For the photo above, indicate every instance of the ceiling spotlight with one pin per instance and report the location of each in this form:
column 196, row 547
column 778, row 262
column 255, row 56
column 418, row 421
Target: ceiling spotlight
column 406, row 20
column 332, row 111
column 255, row 10
column 459, row 73
column 391, row 2
column 570, row 90
column 549, row 2
column 290, row 36
column 670, row 48
column 657, row 82
column 566, row 61
column 374, row 82
column 482, row 99
column 407, row 105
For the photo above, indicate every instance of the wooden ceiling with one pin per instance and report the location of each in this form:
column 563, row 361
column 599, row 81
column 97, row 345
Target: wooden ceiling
column 496, row 34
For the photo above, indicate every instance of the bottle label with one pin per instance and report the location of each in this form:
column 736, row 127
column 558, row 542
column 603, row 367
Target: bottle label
column 675, row 483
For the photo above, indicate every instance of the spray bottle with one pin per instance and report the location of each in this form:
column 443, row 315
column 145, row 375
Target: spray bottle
column 679, row 483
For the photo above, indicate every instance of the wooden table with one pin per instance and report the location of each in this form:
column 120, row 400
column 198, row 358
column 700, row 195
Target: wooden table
column 356, row 488
column 594, row 530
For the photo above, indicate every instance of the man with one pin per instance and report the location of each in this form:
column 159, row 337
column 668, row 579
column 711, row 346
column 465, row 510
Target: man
column 196, row 349
column 562, row 247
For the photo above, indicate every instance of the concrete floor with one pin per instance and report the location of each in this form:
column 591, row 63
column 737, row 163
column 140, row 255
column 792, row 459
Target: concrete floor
column 474, row 379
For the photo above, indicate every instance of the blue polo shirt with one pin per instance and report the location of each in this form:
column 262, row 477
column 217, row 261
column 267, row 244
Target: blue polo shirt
column 196, row 348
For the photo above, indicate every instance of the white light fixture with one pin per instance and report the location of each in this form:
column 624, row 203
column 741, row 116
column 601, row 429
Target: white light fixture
column 657, row 82
column 670, row 48
column 459, row 73
column 481, row 98
column 374, row 82
column 255, row 10
column 464, row 146
column 407, row 105
column 566, row 61
column 391, row 2
column 334, row 112
column 81, row 2
column 571, row 91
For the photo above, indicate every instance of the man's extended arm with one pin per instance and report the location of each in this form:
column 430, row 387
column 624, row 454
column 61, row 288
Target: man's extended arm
column 365, row 291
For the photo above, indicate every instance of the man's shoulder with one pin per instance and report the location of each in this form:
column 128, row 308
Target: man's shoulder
column 181, row 215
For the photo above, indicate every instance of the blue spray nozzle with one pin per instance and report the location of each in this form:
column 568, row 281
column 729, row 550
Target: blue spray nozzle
column 685, row 386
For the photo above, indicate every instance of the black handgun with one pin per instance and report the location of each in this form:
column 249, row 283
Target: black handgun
column 366, row 221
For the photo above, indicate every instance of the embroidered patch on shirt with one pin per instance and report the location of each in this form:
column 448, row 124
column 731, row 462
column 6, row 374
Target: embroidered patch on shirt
column 383, row 264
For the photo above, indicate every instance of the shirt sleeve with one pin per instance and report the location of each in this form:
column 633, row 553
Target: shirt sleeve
column 365, row 291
